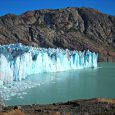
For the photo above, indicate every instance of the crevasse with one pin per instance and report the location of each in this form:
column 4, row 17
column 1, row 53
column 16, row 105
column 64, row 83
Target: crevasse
column 18, row 61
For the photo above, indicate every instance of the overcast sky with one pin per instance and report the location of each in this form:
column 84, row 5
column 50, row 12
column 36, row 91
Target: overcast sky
column 20, row 6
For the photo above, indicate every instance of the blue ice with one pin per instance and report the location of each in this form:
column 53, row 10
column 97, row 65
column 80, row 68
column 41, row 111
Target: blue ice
column 17, row 61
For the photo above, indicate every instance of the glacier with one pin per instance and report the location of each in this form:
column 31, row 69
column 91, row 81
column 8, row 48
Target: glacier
column 17, row 61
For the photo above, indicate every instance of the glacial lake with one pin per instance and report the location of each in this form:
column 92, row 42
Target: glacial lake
column 62, row 86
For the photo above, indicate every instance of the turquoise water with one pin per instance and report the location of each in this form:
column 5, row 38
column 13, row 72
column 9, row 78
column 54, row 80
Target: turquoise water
column 63, row 86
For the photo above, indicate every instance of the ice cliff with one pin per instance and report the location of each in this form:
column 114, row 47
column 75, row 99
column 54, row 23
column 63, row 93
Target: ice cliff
column 18, row 61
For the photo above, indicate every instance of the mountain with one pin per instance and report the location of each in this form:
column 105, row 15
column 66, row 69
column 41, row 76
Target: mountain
column 73, row 28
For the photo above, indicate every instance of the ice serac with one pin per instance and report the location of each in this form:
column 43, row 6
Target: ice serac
column 18, row 61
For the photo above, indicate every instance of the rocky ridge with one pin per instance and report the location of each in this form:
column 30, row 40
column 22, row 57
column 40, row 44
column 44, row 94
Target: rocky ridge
column 73, row 28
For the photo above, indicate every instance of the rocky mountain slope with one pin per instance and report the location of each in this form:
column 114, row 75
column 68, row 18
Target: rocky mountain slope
column 73, row 28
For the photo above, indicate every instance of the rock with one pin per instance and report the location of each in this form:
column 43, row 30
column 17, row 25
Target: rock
column 73, row 28
column 17, row 107
column 1, row 108
column 2, row 105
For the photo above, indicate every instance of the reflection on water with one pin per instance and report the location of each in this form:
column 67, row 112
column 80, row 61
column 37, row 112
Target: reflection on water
column 63, row 86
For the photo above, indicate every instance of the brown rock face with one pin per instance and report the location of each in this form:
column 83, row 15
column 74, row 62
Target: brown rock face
column 73, row 28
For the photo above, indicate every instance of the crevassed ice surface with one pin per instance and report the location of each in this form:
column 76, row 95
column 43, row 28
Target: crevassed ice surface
column 18, row 61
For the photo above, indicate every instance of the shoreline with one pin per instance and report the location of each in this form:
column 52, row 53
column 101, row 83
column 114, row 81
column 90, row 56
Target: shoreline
column 92, row 106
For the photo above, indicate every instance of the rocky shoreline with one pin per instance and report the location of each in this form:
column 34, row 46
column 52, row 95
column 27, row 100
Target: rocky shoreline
column 95, row 106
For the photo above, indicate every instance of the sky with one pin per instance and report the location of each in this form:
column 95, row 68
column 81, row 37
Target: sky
column 21, row 6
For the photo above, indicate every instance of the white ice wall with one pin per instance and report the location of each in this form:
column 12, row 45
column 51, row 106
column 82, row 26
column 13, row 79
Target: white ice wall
column 38, row 60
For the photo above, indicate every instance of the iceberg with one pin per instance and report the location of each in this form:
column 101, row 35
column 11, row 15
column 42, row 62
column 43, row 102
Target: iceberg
column 17, row 61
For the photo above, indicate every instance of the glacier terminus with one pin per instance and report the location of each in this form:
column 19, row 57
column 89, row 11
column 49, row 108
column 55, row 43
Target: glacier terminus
column 17, row 61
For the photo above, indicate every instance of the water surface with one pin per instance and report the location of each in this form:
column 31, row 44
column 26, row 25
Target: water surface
column 63, row 86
